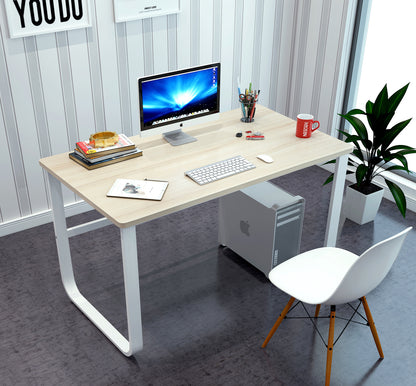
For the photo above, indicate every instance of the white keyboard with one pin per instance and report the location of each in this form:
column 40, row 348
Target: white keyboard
column 216, row 171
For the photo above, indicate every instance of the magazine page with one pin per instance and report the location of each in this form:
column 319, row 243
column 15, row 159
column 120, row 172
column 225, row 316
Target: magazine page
column 142, row 189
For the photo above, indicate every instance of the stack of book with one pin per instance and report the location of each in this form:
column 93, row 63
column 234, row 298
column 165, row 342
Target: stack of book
column 92, row 158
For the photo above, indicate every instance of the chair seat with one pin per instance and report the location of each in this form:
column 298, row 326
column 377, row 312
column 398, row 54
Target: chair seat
column 313, row 276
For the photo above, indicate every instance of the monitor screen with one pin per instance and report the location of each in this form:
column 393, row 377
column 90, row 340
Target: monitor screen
column 178, row 99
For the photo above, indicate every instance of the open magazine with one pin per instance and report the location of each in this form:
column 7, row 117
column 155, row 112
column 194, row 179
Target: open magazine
column 142, row 189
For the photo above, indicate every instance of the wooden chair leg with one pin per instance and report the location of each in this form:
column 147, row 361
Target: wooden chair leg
column 330, row 348
column 372, row 326
column 278, row 321
column 317, row 309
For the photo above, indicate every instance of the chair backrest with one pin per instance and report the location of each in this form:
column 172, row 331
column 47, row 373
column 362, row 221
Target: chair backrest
column 369, row 270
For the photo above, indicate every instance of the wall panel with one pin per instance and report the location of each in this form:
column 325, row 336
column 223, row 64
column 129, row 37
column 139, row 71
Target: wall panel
column 59, row 88
column 312, row 53
column 184, row 34
column 135, row 58
column 108, row 60
column 8, row 190
column 246, row 35
column 206, row 32
column 228, row 81
column 67, row 86
column 284, row 48
column 96, row 74
column 236, row 75
column 268, row 52
column 172, row 42
column 160, row 44
column 11, row 156
column 216, row 31
column 54, row 128
column 148, row 51
column 123, row 79
column 22, row 129
column 82, row 80
column 195, row 31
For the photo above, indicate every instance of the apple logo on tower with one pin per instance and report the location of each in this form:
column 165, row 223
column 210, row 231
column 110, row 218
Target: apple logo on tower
column 244, row 225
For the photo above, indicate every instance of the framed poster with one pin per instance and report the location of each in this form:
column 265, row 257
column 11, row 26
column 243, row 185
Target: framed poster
column 125, row 10
column 34, row 17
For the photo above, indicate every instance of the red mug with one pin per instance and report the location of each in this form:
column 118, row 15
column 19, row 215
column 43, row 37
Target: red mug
column 305, row 125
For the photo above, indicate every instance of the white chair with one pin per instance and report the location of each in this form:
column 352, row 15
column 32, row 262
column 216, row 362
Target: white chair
column 335, row 276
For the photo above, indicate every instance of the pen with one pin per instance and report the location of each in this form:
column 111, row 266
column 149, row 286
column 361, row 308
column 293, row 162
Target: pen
column 254, row 105
column 148, row 179
column 242, row 105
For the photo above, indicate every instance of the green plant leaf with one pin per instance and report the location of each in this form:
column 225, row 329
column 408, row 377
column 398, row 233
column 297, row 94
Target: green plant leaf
column 329, row 179
column 352, row 138
column 399, row 155
column 381, row 102
column 391, row 134
column 375, row 160
column 372, row 122
column 401, row 158
column 345, row 133
column 379, row 126
column 386, row 118
column 405, row 152
column 396, row 98
column 358, row 126
column 398, row 196
column 401, row 147
column 360, row 173
column 355, row 140
column 397, row 167
column 369, row 107
column 356, row 111
column 359, row 154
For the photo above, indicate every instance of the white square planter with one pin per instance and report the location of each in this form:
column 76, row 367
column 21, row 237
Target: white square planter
column 361, row 208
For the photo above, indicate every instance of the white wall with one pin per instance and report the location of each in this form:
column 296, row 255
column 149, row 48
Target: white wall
column 56, row 89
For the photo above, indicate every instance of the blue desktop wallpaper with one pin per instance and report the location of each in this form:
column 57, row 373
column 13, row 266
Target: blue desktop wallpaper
column 179, row 97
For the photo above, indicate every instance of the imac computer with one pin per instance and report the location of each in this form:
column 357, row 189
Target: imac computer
column 179, row 99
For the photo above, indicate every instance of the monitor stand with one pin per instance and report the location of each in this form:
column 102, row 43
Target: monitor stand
column 178, row 137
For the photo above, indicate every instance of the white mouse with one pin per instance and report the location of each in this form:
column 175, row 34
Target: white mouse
column 265, row 158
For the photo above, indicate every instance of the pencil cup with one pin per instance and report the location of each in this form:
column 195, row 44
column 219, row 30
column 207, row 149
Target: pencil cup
column 248, row 108
column 246, row 119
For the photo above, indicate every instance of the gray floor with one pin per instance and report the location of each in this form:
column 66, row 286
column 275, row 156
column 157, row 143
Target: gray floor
column 205, row 310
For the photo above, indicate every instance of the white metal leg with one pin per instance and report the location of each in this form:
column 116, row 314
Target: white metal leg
column 132, row 288
column 131, row 279
column 336, row 201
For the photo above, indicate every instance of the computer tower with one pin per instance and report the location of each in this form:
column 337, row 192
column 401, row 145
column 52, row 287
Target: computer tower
column 262, row 223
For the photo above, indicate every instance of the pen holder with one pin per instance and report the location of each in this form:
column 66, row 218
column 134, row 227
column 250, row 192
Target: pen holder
column 248, row 107
column 246, row 114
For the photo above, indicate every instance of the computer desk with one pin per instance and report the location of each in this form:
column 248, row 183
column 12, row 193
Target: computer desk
column 216, row 141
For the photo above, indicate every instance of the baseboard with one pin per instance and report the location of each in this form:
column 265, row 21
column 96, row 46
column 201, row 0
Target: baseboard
column 40, row 218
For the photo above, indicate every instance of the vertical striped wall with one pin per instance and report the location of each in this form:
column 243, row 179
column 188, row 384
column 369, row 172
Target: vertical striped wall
column 56, row 89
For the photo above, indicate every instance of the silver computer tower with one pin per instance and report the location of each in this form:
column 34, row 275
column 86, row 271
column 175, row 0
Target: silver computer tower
column 262, row 223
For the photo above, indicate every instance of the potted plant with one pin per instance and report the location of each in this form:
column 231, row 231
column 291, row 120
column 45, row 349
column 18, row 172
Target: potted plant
column 373, row 155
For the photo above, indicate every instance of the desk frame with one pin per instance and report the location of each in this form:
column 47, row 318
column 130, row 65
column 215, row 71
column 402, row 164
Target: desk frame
column 134, row 342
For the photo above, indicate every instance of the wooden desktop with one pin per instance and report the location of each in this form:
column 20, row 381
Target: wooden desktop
column 215, row 141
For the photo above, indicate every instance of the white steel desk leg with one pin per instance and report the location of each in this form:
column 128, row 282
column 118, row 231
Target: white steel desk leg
column 132, row 288
column 336, row 201
column 131, row 279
